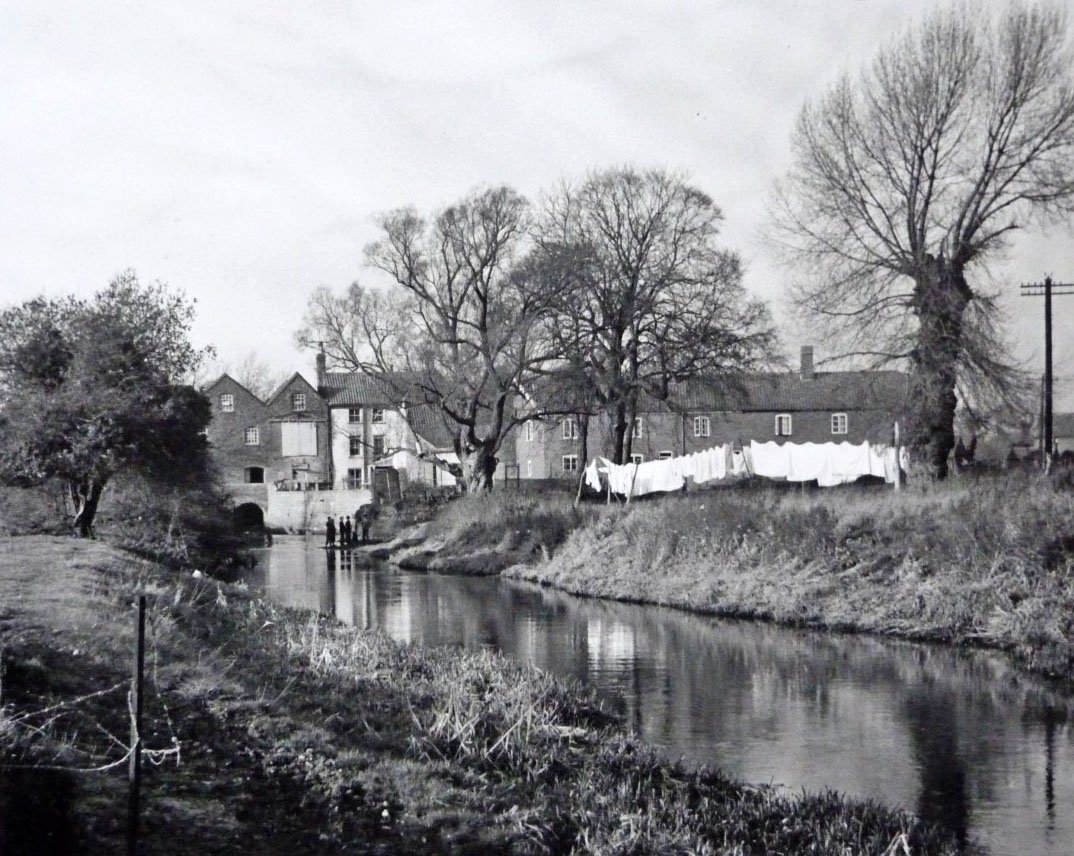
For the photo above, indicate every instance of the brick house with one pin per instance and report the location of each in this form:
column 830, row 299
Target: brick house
column 800, row 407
column 281, row 442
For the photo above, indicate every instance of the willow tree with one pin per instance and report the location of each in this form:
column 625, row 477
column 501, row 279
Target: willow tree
column 910, row 177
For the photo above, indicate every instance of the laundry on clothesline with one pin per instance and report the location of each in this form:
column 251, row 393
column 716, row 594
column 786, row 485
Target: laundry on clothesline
column 828, row 464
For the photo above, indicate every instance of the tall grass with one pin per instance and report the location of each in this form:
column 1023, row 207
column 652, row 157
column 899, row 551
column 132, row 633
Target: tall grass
column 573, row 781
column 984, row 560
column 485, row 533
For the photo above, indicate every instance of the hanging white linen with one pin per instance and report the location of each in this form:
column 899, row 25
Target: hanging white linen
column 770, row 459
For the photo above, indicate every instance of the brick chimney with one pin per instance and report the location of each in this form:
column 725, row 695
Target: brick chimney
column 320, row 369
column 807, row 371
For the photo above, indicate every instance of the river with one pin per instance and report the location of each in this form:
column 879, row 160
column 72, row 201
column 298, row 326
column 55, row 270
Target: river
column 960, row 738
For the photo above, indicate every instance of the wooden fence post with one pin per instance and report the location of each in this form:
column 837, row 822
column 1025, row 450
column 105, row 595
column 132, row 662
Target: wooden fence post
column 135, row 769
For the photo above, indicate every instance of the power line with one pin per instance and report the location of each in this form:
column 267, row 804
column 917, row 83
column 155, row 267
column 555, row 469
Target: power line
column 1047, row 289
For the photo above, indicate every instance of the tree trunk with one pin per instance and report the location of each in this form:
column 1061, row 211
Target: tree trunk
column 86, row 495
column 941, row 298
column 619, row 433
column 479, row 467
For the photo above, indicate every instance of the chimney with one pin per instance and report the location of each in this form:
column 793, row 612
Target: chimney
column 807, row 372
column 320, row 368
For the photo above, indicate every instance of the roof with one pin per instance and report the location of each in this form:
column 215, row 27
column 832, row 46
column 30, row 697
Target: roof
column 226, row 377
column 788, row 391
column 289, row 384
column 429, row 423
column 769, row 392
column 343, row 389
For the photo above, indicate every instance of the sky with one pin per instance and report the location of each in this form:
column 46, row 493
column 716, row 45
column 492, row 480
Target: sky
column 240, row 151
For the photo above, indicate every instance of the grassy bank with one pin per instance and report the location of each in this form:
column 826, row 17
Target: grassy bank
column 484, row 534
column 277, row 732
column 987, row 561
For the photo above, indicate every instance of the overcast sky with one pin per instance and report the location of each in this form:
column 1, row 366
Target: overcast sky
column 238, row 151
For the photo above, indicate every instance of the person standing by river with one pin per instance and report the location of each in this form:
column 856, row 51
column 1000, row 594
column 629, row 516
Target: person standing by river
column 330, row 532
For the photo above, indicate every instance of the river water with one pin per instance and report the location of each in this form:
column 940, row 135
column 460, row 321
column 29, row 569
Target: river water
column 960, row 738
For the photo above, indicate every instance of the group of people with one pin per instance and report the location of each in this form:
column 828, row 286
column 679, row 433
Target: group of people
column 345, row 528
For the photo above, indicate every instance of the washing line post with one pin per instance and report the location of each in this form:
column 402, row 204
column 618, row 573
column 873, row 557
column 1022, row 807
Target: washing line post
column 135, row 769
column 898, row 466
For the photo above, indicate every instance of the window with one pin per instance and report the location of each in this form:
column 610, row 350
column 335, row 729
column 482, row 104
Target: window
column 378, row 447
column 253, row 437
column 702, row 426
column 530, row 431
column 227, row 402
column 378, row 414
column 783, row 425
column 354, row 479
column 570, row 463
column 637, row 459
column 254, row 475
column 839, row 423
column 355, row 446
column 637, row 429
column 298, row 439
column 570, row 429
column 665, row 454
column 298, row 401
column 354, row 415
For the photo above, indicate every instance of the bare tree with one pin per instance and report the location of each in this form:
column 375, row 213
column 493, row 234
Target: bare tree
column 910, row 178
column 361, row 329
column 656, row 300
column 465, row 330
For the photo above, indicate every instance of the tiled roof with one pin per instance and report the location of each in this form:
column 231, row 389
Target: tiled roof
column 431, row 425
column 352, row 389
column 779, row 392
column 788, row 391
column 290, row 384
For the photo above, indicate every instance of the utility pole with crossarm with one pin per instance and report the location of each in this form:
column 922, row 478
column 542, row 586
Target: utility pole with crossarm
column 1047, row 289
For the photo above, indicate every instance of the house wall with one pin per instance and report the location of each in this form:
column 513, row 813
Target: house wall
column 227, row 433
column 395, row 433
column 302, row 468
column 308, row 510
column 542, row 456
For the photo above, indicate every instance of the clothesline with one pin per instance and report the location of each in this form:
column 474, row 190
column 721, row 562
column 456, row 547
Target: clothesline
column 828, row 464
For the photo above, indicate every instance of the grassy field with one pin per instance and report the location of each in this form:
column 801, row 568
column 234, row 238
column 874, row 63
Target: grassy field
column 986, row 561
column 277, row 732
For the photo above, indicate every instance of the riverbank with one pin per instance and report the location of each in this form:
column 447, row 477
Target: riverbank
column 987, row 562
column 280, row 732
column 980, row 561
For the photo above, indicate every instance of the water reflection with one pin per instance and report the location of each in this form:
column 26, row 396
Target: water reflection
column 961, row 739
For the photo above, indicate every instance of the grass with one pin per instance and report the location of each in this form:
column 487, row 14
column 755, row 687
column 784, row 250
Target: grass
column 297, row 734
column 486, row 533
column 984, row 561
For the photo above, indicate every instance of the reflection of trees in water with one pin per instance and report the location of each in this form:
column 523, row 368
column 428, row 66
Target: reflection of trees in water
column 673, row 673
column 936, row 730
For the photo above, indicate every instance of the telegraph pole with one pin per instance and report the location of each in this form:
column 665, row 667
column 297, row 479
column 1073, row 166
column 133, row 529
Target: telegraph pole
column 1047, row 289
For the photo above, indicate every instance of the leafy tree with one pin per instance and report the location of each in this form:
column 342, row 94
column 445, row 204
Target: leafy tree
column 655, row 299
column 910, row 178
column 89, row 388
